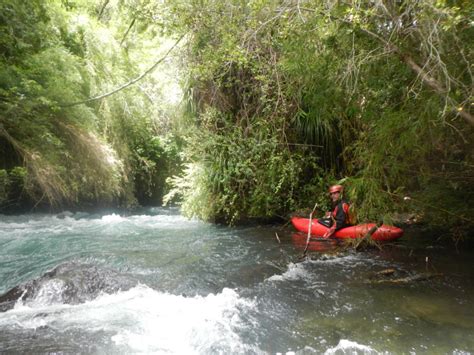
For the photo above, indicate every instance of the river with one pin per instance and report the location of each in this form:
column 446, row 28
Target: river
column 156, row 282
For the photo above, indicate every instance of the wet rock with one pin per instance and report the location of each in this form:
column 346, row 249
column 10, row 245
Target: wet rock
column 64, row 214
column 8, row 300
column 80, row 215
column 69, row 283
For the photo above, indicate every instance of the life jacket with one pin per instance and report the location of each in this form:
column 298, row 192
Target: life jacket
column 348, row 218
column 352, row 215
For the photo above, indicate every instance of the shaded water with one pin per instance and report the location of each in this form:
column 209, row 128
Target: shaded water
column 159, row 283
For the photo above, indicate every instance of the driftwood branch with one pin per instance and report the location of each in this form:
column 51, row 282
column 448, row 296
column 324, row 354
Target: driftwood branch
column 408, row 279
column 278, row 238
column 368, row 236
column 396, row 276
column 310, row 223
column 131, row 82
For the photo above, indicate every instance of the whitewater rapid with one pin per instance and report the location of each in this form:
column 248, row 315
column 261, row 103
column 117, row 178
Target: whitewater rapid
column 157, row 283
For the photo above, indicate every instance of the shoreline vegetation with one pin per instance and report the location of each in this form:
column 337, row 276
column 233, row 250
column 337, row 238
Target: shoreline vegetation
column 239, row 111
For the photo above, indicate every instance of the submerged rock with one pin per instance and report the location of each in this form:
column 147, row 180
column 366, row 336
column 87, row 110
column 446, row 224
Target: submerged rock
column 69, row 283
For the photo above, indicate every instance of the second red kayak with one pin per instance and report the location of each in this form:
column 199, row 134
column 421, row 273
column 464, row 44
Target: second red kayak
column 383, row 233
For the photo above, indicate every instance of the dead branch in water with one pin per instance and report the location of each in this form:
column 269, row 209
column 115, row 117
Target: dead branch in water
column 408, row 279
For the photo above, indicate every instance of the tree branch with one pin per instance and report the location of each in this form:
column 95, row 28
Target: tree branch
column 95, row 98
column 128, row 30
column 425, row 77
column 102, row 9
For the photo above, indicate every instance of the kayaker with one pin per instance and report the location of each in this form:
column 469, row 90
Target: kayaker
column 340, row 211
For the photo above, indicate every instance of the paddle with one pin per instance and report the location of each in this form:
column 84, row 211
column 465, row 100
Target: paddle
column 309, row 230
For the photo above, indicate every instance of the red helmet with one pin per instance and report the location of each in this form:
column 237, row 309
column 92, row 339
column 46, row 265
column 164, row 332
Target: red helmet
column 336, row 188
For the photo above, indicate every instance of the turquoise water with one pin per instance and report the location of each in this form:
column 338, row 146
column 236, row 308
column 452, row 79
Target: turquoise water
column 156, row 282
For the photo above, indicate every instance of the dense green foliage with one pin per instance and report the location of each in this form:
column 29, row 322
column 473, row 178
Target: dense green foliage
column 375, row 94
column 282, row 99
column 99, row 153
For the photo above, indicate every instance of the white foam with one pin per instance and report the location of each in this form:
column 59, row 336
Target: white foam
column 350, row 347
column 64, row 223
column 294, row 272
column 51, row 292
column 164, row 221
column 112, row 218
column 145, row 320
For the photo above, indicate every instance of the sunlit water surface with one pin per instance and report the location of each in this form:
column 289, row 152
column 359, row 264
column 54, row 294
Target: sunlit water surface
column 157, row 282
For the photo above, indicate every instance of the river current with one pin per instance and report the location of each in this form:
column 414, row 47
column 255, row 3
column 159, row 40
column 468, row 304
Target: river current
column 156, row 282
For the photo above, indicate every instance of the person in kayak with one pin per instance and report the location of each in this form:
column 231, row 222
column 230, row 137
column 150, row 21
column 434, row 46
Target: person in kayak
column 340, row 212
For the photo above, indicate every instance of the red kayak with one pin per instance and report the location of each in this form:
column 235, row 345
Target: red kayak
column 323, row 245
column 383, row 233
